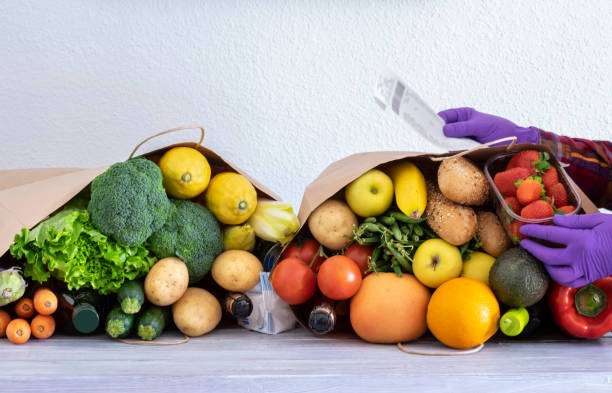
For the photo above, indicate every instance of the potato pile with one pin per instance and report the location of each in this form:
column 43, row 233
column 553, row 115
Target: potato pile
column 196, row 311
column 461, row 185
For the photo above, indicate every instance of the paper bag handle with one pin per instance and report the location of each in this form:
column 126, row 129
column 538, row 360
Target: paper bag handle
column 484, row 145
column 169, row 132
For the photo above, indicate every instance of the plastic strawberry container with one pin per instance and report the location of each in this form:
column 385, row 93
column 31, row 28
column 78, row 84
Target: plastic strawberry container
column 498, row 163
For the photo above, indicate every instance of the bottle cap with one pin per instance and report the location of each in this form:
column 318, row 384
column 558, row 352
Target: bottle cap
column 242, row 307
column 514, row 321
column 321, row 321
column 85, row 318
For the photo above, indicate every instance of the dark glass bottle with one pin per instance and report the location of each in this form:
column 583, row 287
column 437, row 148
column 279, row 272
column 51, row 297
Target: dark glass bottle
column 81, row 311
column 238, row 305
column 322, row 318
column 524, row 322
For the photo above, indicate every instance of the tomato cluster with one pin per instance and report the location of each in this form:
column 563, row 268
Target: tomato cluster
column 304, row 267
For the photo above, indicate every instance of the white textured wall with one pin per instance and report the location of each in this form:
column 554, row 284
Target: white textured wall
column 284, row 87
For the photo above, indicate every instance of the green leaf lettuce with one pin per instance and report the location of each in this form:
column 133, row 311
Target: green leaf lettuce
column 69, row 248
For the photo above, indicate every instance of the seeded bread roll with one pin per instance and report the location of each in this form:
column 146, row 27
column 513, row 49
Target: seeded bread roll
column 463, row 182
column 454, row 223
column 492, row 234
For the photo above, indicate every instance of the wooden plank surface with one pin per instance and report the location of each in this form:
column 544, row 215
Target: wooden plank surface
column 237, row 360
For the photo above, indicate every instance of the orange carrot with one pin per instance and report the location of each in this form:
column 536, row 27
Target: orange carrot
column 24, row 308
column 45, row 301
column 5, row 318
column 43, row 326
column 18, row 331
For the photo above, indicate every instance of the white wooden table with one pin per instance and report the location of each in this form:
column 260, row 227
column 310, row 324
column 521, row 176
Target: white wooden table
column 237, row 360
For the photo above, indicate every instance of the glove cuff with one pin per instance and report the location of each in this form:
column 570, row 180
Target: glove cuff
column 527, row 135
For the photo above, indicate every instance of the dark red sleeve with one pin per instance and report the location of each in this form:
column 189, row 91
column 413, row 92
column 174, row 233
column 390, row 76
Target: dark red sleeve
column 590, row 164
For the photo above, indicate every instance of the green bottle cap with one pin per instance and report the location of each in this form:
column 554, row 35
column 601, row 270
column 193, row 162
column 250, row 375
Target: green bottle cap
column 85, row 318
column 514, row 321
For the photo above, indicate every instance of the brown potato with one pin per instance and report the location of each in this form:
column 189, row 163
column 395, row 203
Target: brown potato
column 236, row 270
column 463, row 182
column 454, row 223
column 332, row 224
column 197, row 312
column 492, row 234
column 166, row 282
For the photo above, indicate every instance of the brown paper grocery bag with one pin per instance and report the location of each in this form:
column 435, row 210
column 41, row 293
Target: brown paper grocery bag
column 339, row 174
column 28, row 196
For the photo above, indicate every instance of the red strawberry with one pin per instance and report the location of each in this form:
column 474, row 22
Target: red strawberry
column 514, row 204
column 532, row 160
column 515, row 231
column 529, row 191
column 537, row 209
column 550, row 177
column 567, row 209
column 505, row 180
column 558, row 193
column 523, row 159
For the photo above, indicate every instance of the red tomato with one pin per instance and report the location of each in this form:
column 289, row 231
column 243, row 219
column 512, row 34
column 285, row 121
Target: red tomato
column 360, row 255
column 306, row 252
column 293, row 281
column 339, row 277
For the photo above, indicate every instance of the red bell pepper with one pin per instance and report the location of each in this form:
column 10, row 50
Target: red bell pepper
column 583, row 312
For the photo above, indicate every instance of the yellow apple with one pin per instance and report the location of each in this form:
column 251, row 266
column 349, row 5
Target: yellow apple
column 478, row 266
column 436, row 261
column 370, row 194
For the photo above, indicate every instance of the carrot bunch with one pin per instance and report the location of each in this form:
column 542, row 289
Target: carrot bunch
column 19, row 330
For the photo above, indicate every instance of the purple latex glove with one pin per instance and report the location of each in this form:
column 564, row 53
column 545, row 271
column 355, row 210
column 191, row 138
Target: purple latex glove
column 468, row 122
column 587, row 255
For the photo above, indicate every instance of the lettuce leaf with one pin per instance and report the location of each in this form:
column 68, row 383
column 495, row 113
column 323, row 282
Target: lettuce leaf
column 69, row 248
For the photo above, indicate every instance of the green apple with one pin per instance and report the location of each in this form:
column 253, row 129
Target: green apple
column 478, row 266
column 436, row 261
column 370, row 194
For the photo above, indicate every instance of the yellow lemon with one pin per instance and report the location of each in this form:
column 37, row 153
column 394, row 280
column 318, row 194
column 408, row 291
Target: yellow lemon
column 231, row 198
column 478, row 266
column 239, row 237
column 185, row 171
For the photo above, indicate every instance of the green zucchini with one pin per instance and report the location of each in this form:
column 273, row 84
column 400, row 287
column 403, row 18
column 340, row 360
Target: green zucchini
column 118, row 323
column 131, row 297
column 151, row 323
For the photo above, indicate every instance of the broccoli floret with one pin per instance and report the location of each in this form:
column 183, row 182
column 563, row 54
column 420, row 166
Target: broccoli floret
column 128, row 201
column 192, row 234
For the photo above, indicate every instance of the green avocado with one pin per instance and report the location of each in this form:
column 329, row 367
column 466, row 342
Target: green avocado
column 518, row 279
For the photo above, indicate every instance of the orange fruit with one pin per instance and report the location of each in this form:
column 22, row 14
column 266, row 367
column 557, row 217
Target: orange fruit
column 389, row 309
column 462, row 313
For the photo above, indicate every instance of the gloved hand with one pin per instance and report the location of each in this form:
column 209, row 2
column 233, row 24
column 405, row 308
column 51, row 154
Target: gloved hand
column 468, row 122
column 587, row 255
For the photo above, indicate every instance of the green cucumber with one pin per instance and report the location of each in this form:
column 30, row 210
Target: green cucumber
column 131, row 297
column 118, row 323
column 151, row 323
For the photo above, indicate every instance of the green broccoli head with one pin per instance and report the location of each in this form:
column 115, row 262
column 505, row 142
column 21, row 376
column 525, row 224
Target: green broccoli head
column 128, row 201
column 192, row 234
